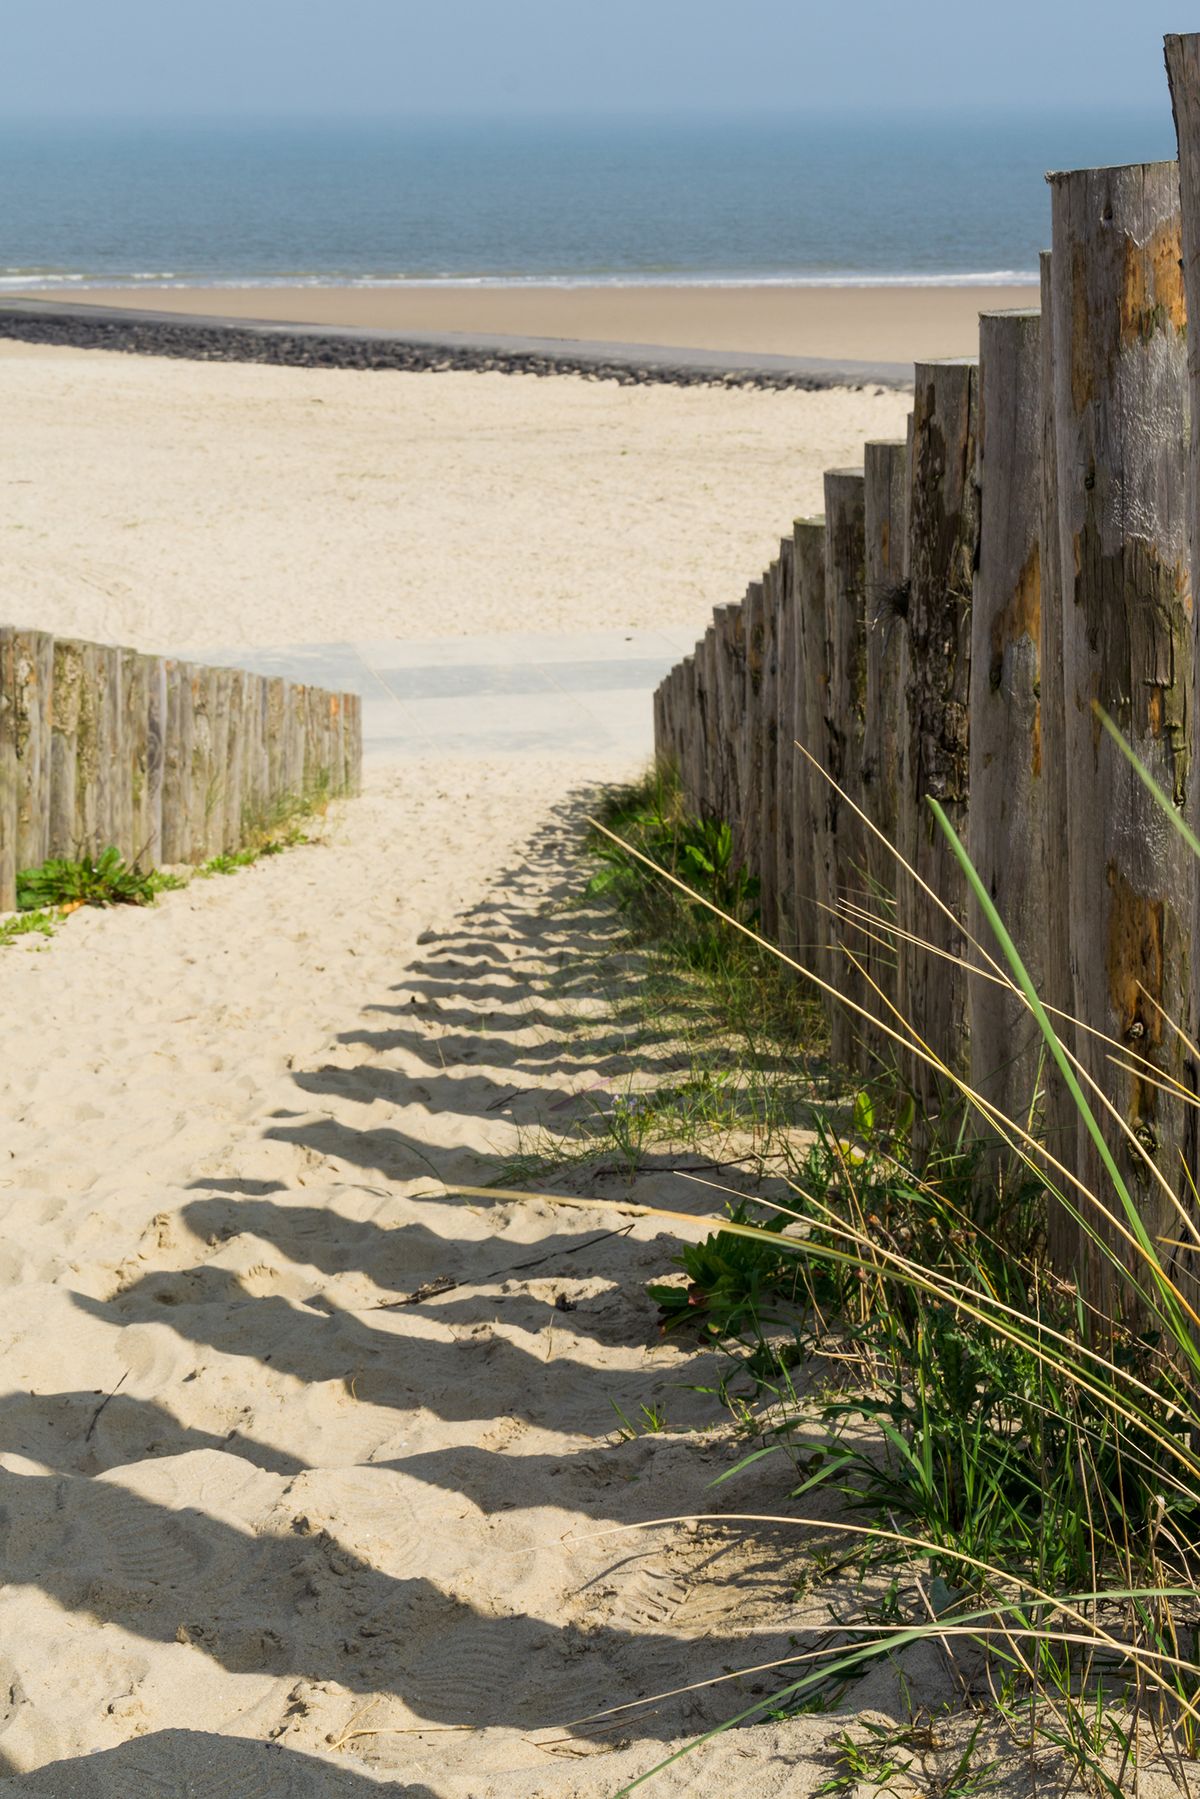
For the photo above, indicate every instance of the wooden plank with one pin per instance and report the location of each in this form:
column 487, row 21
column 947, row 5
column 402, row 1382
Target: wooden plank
column 814, row 843
column 67, row 682
column 205, row 799
column 356, row 743
column 706, row 726
column 1121, row 416
column 754, row 610
column 112, row 805
column 767, row 830
column 233, row 826
column 845, row 605
column 787, row 755
column 728, row 800
column 179, row 748
column 90, row 820
column 131, row 770
column 33, row 671
column 943, row 544
column 8, row 769
column 1006, row 822
column 151, row 831
column 886, row 482
column 1060, row 1119
column 276, row 729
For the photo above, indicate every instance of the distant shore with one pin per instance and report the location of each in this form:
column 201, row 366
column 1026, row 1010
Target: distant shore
column 892, row 325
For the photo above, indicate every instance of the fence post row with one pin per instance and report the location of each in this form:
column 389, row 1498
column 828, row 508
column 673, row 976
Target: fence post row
column 1120, row 403
column 167, row 761
column 952, row 629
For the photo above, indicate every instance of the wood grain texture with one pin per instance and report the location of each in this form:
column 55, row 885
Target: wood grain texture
column 8, row 770
column 814, row 870
column 1121, row 418
column 846, row 629
column 33, row 673
column 886, row 480
column 768, row 810
column 1006, row 821
column 178, row 756
column 1060, row 1119
column 943, row 541
column 788, row 757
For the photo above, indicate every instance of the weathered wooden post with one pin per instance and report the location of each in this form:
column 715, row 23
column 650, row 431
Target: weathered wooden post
column 814, row 843
column 710, row 741
column 1005, row 828
column 787, row 755
column 276, row 727
column 885, row 521
column 1121, row 417
column 112, row 813
column 845, row 604
column 943, row 540
column 235, row 762
column 1183, row 71
column 33, row 699
column 1060, row 1119
column 67, row 681
column 179, row 743
column 8, row 769
column 728, row 802
column 766, row 829
column 754, row 610
column 90, row 816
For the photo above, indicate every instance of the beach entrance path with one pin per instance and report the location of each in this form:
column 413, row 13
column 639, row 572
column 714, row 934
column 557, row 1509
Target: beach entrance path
column 582, row 694
column 301, row 1461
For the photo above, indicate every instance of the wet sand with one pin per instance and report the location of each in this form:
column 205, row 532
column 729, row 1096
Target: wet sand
column 857, row 324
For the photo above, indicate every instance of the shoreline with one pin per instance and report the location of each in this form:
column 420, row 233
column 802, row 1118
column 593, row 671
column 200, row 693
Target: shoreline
column 807, row 331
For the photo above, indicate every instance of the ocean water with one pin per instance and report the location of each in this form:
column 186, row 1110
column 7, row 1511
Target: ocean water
column 742, row 201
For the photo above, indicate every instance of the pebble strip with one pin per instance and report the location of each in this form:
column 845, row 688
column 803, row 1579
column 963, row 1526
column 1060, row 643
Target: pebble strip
column 235, row 343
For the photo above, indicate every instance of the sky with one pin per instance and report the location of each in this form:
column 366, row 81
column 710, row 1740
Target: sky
column 256, row 59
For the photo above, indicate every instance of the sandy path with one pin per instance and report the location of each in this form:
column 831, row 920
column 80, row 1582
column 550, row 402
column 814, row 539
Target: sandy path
column 249, row 1505
column 182, row 506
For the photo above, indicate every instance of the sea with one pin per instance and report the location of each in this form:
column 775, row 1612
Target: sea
column 908, row 200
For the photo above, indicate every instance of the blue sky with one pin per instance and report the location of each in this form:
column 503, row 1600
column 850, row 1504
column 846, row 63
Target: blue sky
column 258, row 58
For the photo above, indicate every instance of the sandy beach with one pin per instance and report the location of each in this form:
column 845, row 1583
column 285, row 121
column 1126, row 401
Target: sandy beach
column 861, row 324
column 269, row 1528
column 187, row 506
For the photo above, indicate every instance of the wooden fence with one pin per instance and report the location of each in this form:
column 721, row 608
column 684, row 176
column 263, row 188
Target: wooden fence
column 169, row 761
column 949, row 630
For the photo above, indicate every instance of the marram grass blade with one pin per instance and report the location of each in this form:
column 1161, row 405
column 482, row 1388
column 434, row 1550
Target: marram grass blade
column 1160, row 795
column 1168, row 1293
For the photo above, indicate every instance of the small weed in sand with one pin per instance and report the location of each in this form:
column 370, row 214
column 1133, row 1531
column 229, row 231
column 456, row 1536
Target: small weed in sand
column 27, row 924
column 105, row 880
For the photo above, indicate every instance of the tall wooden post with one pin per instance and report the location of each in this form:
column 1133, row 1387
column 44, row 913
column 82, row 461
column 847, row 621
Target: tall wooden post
column 787, row 755
column 943, row 540
column 1121, row 417
column 845, row 603
column 768, row 702
column 8, row 769
column 34, row 684
column 1005, row 829
column 885, row 520
column 754, row 609
column 728, row 804
column 814, row 842
column 1060, row 1120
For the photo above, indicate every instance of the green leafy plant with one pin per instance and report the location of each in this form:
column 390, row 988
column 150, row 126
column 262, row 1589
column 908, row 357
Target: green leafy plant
column 26, row 924
column 104, row 880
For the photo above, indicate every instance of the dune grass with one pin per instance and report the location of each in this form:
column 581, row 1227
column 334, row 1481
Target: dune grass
column 1022, row 1469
